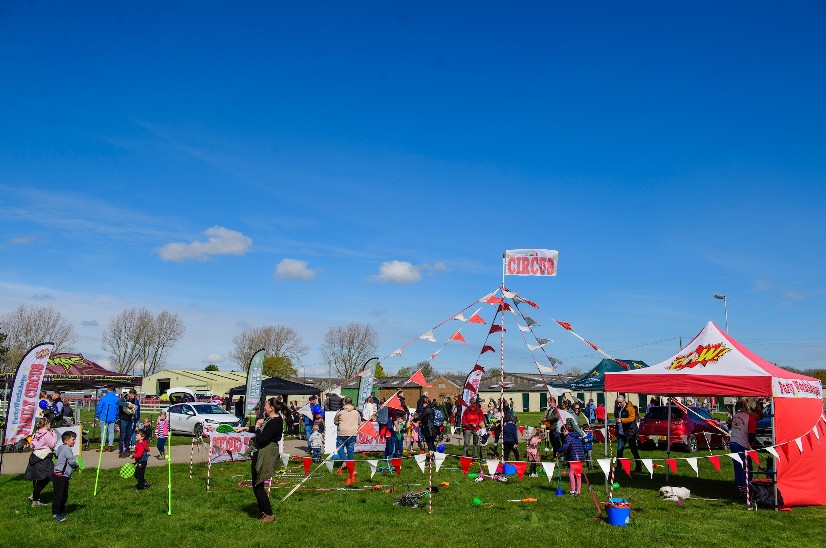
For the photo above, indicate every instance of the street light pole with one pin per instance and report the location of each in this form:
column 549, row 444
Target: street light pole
column 725, row 307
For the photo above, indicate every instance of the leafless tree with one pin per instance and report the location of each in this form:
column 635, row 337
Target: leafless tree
column 279, row 341
column 137, row 337
column 27, row 326
column 345, row 349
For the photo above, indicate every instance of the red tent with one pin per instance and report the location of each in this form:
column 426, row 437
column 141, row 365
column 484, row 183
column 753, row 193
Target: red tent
column 714, row 363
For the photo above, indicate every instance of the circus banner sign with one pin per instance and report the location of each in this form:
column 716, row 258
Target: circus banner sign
column 796, row 388
column 530, row 262
column 229, row 447
column 25, row 393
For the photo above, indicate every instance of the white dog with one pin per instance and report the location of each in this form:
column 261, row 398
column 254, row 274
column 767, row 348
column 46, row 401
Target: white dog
column 676, row 494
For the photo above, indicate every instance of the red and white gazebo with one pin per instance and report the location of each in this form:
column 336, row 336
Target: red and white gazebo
column 713, row 363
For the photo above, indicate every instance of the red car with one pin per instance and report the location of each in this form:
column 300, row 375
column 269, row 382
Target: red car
column 691, row 430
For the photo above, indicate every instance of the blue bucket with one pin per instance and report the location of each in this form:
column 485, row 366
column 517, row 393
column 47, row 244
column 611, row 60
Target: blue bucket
column 619, row 513
column 509, row 469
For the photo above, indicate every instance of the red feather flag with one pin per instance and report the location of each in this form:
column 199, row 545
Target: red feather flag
column 457, row 337
column 419, row 379
column 566, row 325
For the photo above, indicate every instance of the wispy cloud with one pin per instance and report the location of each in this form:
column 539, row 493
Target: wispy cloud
column 293, row 269
column 220, row 241
column 213, row 358
column 403, row 272
column 21, row 240
column 42, row 297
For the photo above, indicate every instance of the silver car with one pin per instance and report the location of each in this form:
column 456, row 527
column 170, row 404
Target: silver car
column 190, row 418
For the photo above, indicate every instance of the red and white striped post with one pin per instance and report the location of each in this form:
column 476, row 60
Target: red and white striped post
column 191, row 456
column 430, row 474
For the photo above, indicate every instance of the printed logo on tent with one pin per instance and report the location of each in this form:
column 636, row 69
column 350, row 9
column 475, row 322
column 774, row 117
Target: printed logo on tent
column 636, row 365
column 702, row 355
column 66, row 361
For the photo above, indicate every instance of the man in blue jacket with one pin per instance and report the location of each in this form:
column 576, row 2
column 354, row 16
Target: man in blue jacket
column 107, row 415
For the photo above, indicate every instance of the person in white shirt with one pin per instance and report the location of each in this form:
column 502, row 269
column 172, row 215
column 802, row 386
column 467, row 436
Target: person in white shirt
column 368, row 410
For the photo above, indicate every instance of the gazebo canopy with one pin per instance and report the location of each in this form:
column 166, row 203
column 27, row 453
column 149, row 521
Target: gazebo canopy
column 73, row 371
column 276, row 386
column 594, row 380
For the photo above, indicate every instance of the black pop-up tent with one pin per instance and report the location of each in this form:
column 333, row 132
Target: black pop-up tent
column 276, row 386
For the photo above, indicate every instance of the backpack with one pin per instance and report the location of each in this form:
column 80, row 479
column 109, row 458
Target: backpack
column 438, row 418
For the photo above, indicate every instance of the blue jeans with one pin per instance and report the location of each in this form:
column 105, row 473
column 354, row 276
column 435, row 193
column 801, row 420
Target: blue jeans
column 125, row 435
column 348, row 443
column 398, row 447
column 110, row 433
column 308, row 431
column 161, row 445
column 739, row 472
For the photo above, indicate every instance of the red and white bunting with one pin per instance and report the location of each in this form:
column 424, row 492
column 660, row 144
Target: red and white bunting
column 692, row 462
column 428, row 337
column 458, row 337
column 460, row 316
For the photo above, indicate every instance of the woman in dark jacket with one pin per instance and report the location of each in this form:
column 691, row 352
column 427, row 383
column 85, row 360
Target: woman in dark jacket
column 427, row 426
column 265, row 454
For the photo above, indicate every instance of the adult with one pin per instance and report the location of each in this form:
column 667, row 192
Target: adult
column 626, row 418
column 740, row 442
column 421, row 402
column 368, row 409
column 472, row 420
column 126, row 408
column 564, row 415
column 448, row 409
column 347, row 422
column 106, row 414
column 268, row 431
column 590, row 411
column 553, row 427
column 40, row 467
column 227, row 403
column 579, row 416
column 240, row 409
column 333, row 402
column 427, row 423
column 599, row 412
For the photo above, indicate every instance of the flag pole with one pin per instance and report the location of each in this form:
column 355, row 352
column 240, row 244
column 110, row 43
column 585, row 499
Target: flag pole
column 100, row 454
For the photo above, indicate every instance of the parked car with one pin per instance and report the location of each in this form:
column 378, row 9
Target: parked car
column 687, row 429
column 190, row 418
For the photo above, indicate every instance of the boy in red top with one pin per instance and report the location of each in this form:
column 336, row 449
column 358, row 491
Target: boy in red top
column 600, row 413
column 472, row 421
column 141, row 457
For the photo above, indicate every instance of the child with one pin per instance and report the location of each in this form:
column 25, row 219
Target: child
column 574, row 454
column 398, row 449
column 510, row 438
column 588, row 446
column 141, row 457
column 161, row 433
column 66, row 464
column 40, row 466
column 147, row 428
column 316, row 439
column 533, row 450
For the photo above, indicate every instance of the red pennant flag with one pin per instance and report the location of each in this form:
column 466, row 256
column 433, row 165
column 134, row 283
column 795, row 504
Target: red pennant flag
column 626, row 465
column 394, row 403
column 809, row 437
column 419, row 379
column 566, row 325
column 493, row 300
column 465, row 462
column 521, row 430
column 487, row 348
column 715, row 460
column 785, row 449
column 351, row 466
column 495, row 328
column 457, row 337
column 397, row 464
column 621, row 364
column 533, row 304
column 672, row 463
column 520, row 468
column 753, row 456
column 592, row 345
column 308, row 461
column 504, row 306
column 476, row 318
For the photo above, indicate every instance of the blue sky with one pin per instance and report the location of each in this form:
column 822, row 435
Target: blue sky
column 317, row 164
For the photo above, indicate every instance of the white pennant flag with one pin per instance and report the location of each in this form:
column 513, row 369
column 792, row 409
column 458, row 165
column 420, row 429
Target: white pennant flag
column 773, row 452
column 530, row 321
column 605, row 465
column 420, row 459
column 306, row 410
column 549, row 469
column 692, row 462
column 532, row 347
column 329, row 465
column 508, row 294
column 428, row 337
column 545, row 368
column 452, row 430
column 373, row 464
column 492, row 464
column 814, row 431
column 799, row 442
column 684, row 438
column 543, row 342
column 460, row 316
column 285, row 458
column 523, row 328
column 529, row 432
column 439, row 459
column 396, row 353
column 736, row 458
column 649, row 465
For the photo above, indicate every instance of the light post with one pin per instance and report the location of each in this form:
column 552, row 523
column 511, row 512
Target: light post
column 725, row 307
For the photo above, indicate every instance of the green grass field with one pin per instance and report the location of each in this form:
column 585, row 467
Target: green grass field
column 121, row 516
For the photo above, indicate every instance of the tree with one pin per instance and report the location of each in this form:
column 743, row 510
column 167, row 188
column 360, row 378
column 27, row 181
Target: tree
column 211, row 367
column 28, row 326
column 136, row 337
column 345, row 349
column 279, row 366
column 379, row 372
column 427, row 369
column 277, row 340
column 4, row 351
column 404, row 372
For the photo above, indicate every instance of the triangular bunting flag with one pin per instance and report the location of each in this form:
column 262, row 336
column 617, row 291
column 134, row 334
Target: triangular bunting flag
column 487, row 348
column 394, row 403
column 604, row 464
column 799, row 443
column 592, row 345
column 395, row 353
column 465, row 462
column 476, row 318
column 530, row 430
column 532, row 347
column 492, row 465
column 785, row 449
column 493, row 300
column 533, row 304
column 626, row 465
column 814, row 431
column 809, row 437
column 545, row 369
column 508, row 294
column 373, row 464
column 530, row 321
column 397, row 464
column 458, row 337
column 438, row 459
column 419, row 379
column 672, row 463
column 566, row 325
column 542, row 341
column 285, row 458
column 420, row 459
column 524, row 329
column 736, row 458
column 329, row 464
column 495, row 328
column 692, row 462
column 715, row 461
column 307, row 461
column 452, row 430
column 649, row 465
column 460, row 316
column 306, row 410
column 521, row 430
column 520, row 468
column 549, row 469
column 504, row 306
column 752, row 454
column 684, row 438
column 773, row 452
column 428, row 337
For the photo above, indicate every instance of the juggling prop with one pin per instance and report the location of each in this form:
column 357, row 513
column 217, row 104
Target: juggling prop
column 127, row 470
column 80, row 464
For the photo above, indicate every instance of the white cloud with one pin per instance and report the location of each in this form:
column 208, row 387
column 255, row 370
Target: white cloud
column 293, row 269
column 221, row 241
column 399, row 272
column 213, row 358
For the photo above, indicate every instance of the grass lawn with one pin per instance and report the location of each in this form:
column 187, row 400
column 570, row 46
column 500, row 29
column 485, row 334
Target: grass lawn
column 121, row 516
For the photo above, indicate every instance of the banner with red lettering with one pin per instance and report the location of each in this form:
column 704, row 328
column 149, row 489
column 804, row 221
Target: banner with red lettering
column 530, row 262
column 25, row 391
column 229, row 447
column 796, row 388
